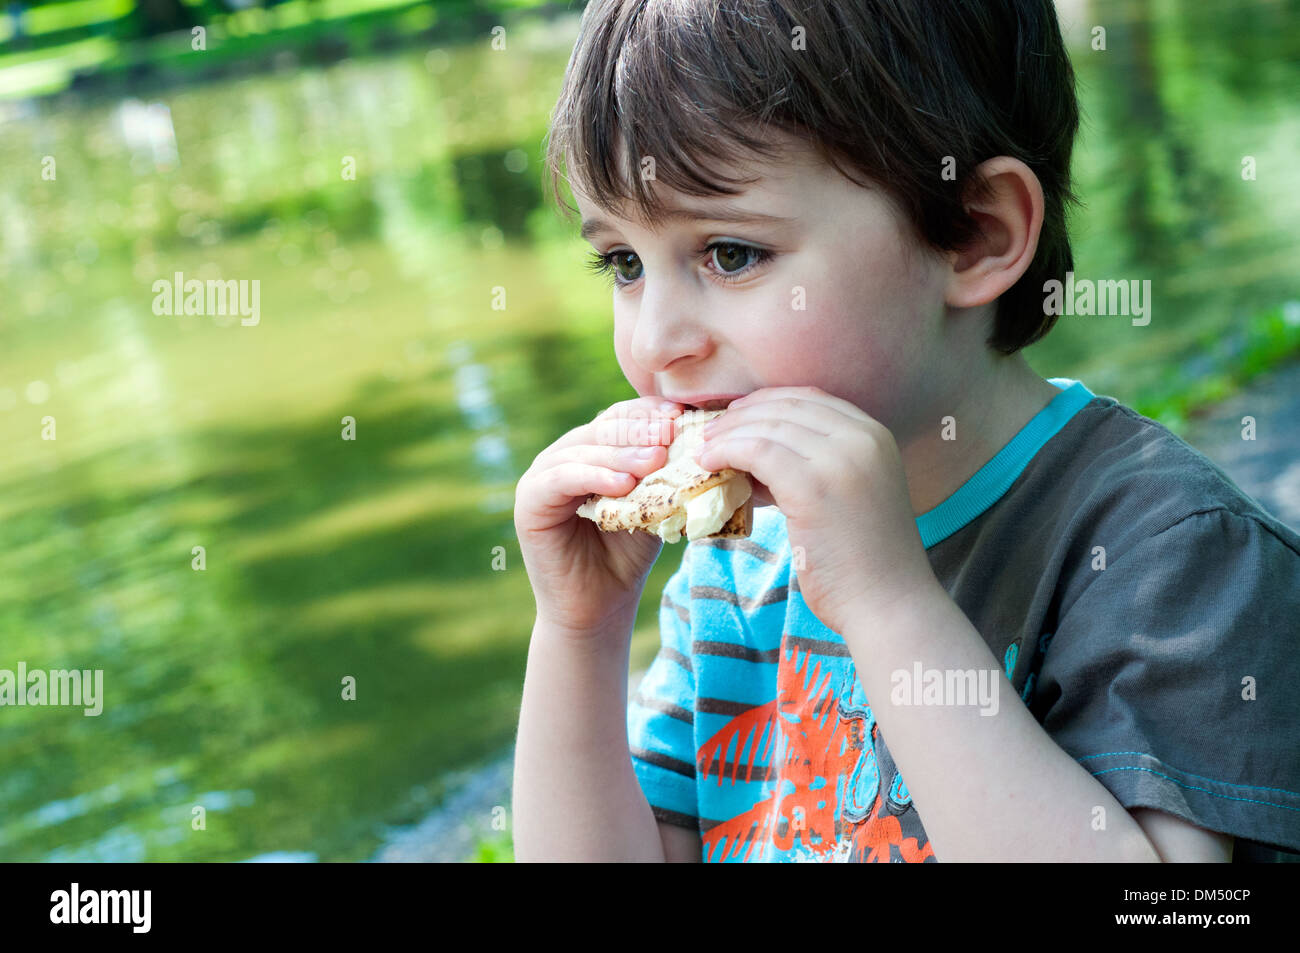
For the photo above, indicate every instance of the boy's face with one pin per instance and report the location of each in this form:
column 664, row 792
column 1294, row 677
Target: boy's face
column 847, row 301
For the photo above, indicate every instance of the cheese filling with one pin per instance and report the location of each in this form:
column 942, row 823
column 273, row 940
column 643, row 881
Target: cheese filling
column 704, row 514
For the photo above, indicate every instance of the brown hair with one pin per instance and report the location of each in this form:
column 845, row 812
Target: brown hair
column 889, row 88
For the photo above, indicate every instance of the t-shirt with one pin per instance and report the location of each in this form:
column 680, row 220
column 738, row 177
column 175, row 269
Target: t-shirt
column 1144, row 608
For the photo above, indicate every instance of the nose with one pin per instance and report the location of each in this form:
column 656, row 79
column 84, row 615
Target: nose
column 667, row 328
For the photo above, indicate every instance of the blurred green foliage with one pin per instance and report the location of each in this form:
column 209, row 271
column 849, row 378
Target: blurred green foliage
column 497, row 850
column 374, row 558
column 108, row 43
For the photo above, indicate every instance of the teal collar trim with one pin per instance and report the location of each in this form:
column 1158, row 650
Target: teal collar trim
column 993, row 479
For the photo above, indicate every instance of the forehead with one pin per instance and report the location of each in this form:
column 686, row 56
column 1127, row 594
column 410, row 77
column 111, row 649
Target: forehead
column 778, row 187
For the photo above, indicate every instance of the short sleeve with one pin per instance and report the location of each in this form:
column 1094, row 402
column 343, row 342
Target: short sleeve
column 661, row 713
column 1173, row 678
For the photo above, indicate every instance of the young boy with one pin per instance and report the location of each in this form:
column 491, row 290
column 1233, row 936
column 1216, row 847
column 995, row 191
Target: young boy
column 1069, row 632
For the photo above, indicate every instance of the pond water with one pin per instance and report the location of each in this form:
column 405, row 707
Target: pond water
column 306, row 635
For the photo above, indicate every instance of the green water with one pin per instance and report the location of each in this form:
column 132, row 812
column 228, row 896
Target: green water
column 374, row 558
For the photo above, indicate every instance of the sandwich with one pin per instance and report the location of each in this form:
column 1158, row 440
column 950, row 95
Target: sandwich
column 681, row 497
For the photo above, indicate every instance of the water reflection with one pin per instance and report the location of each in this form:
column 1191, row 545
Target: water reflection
column 370, row 558
column 475, row 397
column 494, row 190
column 149, row 134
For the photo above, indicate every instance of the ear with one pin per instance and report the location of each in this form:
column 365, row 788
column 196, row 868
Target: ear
column 1010, row 218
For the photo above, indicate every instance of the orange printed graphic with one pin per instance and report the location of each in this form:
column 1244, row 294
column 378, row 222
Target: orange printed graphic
column 814, row 738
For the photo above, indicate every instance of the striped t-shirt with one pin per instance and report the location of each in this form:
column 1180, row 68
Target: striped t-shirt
column 1112, row 568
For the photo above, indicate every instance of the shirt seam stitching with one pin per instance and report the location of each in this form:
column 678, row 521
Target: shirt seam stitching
column 1190, row 774
column 1193, row 787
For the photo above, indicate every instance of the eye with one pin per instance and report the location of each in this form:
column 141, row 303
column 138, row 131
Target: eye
column 731, row 258
column 622, row 267
column 731, row 262
column 734, row 260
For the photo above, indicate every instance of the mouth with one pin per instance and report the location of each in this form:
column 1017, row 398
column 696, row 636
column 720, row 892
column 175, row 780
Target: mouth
column 710, row 403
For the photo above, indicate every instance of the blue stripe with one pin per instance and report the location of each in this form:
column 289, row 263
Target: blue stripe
column 993, row 479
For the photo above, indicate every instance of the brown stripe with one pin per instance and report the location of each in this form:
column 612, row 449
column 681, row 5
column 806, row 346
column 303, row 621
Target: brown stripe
column 664, row 761
column 744, row 845
column 745, row 653
column 722, row 706
column 683, row 612
column 774, row 595
column 745, row 772
column 676, row 819
column 732, row 650
column 672, row 655
column 705, row 706
column 668, row 708
column 817, row 646
column 827, row 699
column 745, row 545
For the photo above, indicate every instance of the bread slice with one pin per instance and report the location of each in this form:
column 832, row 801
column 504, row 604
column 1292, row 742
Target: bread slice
column 658, row 504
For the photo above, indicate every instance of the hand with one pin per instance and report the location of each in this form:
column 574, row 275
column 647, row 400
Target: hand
column 837, row 476
column 582, row 577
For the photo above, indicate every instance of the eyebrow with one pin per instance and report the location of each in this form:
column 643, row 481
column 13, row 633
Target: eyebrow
column 725, row 213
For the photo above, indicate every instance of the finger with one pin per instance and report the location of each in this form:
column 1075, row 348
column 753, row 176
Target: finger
column 771, row 465
column 633, row 459
column 630, row 459
column 820, row 425
column 809, row 395
column 627, row 423
column 763, row 452
column 563, row 488
column 639, row 405
column 634, row 431
column 605, row 471
column 817, row 417
column 807, row 441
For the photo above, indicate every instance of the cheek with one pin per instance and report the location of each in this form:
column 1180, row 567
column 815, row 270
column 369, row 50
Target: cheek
column 641, row 382
column 847, row 351
column 861, row 338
